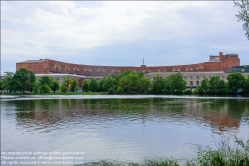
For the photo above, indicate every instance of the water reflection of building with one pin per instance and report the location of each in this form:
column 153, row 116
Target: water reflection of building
column 213, row 112
column 220, row 114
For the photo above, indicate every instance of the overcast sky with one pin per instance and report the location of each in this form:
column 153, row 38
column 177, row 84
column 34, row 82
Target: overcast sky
column 120, row 33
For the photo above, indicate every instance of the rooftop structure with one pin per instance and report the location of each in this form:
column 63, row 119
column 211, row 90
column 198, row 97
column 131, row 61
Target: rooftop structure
column 242, row 69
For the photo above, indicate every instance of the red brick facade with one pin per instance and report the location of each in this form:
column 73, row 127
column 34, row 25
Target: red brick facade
column 46, row 66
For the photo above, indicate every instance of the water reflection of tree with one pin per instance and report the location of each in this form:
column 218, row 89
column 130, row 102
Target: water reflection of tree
column 24, row 109
column 236, row 108
column 116, row 106
column 21, row 104
column 38, row 112
column 220, row 114
column 212, row 105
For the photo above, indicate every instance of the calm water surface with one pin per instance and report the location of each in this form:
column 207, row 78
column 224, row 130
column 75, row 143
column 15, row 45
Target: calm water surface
column 122, row 128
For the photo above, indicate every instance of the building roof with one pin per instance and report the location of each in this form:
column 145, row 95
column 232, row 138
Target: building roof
column 71, row 75
column 233, row 54
column 33, row 61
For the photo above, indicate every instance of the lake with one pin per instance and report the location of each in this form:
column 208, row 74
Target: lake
column 121, row 127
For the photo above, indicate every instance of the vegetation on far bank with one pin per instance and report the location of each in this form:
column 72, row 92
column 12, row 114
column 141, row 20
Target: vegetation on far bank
column 23, row 81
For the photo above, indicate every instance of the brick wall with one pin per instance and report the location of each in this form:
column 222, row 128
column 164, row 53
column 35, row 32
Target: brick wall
column 224, row 63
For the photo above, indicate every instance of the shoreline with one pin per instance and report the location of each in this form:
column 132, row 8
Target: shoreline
column 98, row 96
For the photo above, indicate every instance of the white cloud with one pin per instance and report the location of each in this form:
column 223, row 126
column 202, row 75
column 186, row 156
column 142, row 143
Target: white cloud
column 81, row 26
column 35, row 28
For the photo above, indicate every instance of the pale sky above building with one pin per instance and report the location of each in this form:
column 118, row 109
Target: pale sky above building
column 120, row 33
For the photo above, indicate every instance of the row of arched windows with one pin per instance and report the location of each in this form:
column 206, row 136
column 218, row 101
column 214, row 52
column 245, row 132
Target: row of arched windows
column 86, row 69
column 115, row 70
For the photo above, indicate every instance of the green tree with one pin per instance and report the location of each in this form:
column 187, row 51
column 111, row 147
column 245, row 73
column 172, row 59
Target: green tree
column 101, row 83
column 236, row 81
column 110, row 82
column 243, row 14
column 144, row 85
column 111, row 91
column 55, row 86
column 9, row 74
column 158, row 85
column 93, row 85
column 119, row 90
column 125, row 73
column 1, row 86
column 23, row 80
column 116, row 77
column 50, row 82
column 74, row 86
column 216, row 85
column 204, row 87
column 247, row 85
column 7, row 82
column 46, row 80
column 45, row 89
column 129, row 83
column 36, row 87
column 85, row 86
column 227, row 90
column 175, row 83
column 66, row 83
column 141, row 75
column 30, row 80
column 63, row 87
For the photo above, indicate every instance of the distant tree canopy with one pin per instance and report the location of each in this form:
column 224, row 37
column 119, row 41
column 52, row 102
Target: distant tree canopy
column 85, row 86
column 175, row 83
column 243, row 14
column 45, row 84
column 236, row 83
column 93, row 85
column 128, row 82
column 158, row 85
column 247, row 85
column 23, row 80
column 66, row 84
column 7, row 83
column 109, row 82
column 55, row 86
column 217, row 85
column 133, row 83
column 204, row 87
column 74, row 86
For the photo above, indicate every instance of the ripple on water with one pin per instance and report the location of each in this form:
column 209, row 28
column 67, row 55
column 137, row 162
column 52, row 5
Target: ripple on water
column 135, row 128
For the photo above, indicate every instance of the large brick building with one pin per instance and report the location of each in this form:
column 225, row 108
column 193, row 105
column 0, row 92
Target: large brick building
column 192, row 73
column 47, row 66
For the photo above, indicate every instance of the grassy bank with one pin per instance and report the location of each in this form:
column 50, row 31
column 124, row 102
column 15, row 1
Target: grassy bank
column 225, row 155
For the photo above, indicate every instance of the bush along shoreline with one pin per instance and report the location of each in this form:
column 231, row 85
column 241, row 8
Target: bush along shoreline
column 23, row 81
column 225, row 155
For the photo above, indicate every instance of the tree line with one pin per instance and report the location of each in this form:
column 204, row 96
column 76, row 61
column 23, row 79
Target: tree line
column 236, row 83
column 24, row 81
column 128, row 82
